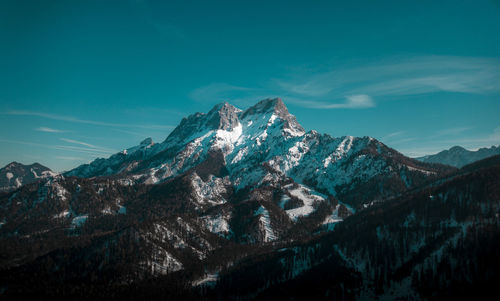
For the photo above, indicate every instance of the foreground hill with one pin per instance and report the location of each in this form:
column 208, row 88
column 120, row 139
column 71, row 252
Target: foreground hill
column 437, row 242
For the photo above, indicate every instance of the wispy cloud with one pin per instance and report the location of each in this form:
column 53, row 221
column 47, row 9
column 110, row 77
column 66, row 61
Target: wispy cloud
column 492, row 138
column 358, row 86
column 393, row 134
column 416, row 75
column 84, row 121
column 78, row 142
column 49, row 130
column 86, row 146
column 92, row 151
column 351, row 102
column 95, row 152
column 217, row 92
column 354, row 102
column 397, row 138
column 452, row 131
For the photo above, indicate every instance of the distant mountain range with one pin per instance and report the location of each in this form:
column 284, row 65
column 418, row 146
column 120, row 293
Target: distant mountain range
column 248, row 205
column 458, row 156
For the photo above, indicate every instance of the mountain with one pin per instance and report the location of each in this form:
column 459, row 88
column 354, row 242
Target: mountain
column 266, row 141
column 15, row 174
column 242, row 204
column 458, row 156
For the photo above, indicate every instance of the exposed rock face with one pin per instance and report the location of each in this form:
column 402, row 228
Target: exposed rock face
column 225, row 117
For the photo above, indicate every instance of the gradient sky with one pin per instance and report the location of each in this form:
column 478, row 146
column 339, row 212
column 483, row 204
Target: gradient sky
column 85, row 79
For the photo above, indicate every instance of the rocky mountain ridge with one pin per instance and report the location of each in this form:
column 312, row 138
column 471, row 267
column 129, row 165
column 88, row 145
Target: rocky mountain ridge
column 265, row 141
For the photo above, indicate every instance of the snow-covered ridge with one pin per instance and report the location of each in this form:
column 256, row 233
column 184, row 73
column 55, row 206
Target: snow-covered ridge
column 264, row 136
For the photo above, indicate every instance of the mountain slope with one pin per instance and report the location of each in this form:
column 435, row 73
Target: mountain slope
column 458, row 156
column 15, row 174
column 438, row 242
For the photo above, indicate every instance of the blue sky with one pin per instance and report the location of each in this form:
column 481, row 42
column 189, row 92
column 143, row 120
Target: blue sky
column 85, row 79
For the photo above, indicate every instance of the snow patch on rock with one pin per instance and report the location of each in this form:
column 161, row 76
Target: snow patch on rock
column 307, row 196
column 79, row 220
column 265, row 224
column 218, row 224
column 209, row 192
column 62, row 214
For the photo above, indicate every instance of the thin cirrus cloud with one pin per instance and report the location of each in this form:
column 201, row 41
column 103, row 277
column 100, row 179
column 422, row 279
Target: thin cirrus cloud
column 393, row 134
column 217, row 92
column 417, row 75
column 91, row 151
column 86, row 146
column 79, row 142
column 84, row 121
column 361, row 84
column 48, row 130
column 352, row 102
column 492, row 138
column 452, row 131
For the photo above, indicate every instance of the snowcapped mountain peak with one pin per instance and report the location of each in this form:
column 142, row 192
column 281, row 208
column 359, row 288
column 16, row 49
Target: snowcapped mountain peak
column 264, row 143
column 275, row 108
column 275, row 105
column 224, row 116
